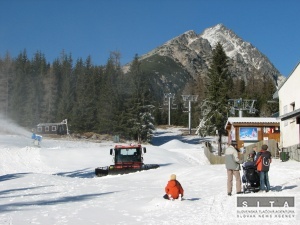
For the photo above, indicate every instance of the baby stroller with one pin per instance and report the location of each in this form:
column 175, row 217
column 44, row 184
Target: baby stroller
column 250, row 178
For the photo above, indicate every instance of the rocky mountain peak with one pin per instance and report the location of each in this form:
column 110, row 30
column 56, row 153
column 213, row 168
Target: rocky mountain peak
column 235, row 47
column 193, row 52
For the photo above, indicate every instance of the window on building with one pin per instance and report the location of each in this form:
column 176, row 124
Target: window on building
column 292, row 108
column 46, row 128
column 39, row 129
column 53, row 128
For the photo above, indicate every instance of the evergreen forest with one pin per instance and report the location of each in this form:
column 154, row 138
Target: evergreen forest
column 105, row 100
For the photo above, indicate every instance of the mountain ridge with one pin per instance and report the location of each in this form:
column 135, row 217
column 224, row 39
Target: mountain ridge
column 194, row 51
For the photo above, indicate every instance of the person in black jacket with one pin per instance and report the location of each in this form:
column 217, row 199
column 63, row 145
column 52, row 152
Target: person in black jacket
column 263, row 165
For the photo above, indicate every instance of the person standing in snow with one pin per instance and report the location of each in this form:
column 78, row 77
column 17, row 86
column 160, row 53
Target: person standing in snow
column 263, row 165
column 232, row 163
column 173, row 189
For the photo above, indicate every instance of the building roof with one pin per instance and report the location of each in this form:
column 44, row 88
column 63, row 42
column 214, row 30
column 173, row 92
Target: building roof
column 48, row 124
column 250, row 120
column 276, row 95
column 298, row 64
column 289, row 115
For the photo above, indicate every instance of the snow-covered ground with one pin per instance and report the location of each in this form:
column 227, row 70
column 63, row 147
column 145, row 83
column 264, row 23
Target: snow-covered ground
column 55, row 184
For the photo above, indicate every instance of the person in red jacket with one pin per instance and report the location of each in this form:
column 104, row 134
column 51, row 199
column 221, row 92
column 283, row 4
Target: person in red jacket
column 263, row 165
column 173, row 189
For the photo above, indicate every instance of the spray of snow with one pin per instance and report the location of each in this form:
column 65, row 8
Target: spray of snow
column 7, row 126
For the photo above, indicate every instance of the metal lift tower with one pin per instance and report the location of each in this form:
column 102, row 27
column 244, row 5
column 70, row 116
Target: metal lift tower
column 167, row 101
column 190, row 98
column 242, row 105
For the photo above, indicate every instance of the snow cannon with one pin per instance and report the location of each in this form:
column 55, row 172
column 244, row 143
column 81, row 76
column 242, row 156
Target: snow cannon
column 36, row 139
column 127, row 159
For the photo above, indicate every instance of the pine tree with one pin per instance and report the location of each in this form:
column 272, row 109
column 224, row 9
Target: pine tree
column 78, row 115
column 217, row 94
column 140, row 122
column 6, row 71
column 84, row 109
column 108, row 99
column 65, row 92
column 39, row 69
column 21, row 100
column 266, row 88
column 50, row 83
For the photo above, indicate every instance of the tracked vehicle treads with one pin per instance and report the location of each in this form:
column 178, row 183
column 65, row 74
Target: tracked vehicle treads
column 127, row 159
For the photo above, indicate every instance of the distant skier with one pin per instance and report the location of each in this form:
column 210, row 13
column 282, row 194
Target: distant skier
column 173, row 189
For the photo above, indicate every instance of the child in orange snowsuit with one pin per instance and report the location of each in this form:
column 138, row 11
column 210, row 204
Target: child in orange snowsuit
column 173, row 189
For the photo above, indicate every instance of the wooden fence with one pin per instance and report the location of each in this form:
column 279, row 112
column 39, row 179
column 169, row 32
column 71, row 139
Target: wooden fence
column 212, row 154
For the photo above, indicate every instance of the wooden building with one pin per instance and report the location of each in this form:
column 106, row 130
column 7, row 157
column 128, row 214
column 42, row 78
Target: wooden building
column 249, row 130
column 52, row 128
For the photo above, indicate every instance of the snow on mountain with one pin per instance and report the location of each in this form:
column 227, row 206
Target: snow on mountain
column 194, row 51
column 241, row 52
column 233, row 45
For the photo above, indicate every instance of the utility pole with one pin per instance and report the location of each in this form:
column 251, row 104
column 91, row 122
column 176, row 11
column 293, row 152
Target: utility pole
column 242, row 105
column 190, row 98
column 167, row 101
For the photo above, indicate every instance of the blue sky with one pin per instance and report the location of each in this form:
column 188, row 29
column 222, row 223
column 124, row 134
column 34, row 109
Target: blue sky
column 97, row 27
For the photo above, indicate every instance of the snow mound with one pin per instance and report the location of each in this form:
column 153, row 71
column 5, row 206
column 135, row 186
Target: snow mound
column 176, row 144
column 26, row 159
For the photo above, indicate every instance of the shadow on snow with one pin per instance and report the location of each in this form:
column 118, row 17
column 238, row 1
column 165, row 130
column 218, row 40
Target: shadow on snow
column 12, row 176
column 18, row 206
column 192, row 199
column 9, row 191
column 83, row 173
column 165, row 164
column 283, row 187
column 158, row 140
